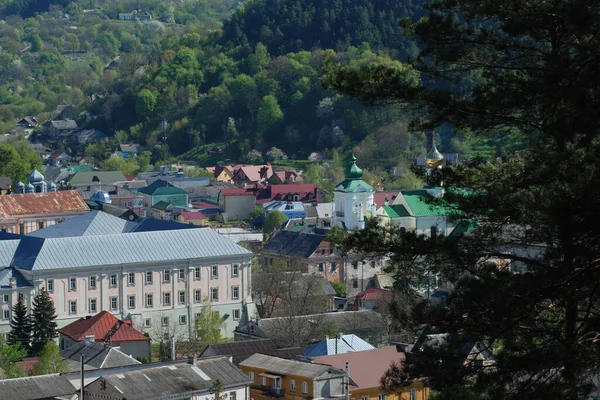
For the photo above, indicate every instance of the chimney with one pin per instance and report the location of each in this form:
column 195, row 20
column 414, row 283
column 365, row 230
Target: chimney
column 13, row 282
column 340, row 335
column 326, row 337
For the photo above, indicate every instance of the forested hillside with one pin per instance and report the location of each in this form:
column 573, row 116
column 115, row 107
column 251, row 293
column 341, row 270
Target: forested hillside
column 294, row 25
column 181, row 86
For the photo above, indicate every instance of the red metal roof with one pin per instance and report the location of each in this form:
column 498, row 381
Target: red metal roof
column 367, row 366
column 202, row 205
column 189, row 215
column 379, row 197
column 42, row 203
column 98, row 326
column 238, row 192
column 373, row 294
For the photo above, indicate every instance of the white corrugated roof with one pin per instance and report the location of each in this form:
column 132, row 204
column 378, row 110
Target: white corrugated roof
column 126, row 248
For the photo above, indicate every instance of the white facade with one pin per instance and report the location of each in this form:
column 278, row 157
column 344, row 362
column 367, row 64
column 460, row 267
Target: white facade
column 353, row 200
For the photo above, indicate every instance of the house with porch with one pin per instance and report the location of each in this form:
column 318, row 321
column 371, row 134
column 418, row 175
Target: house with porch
column 274, row 377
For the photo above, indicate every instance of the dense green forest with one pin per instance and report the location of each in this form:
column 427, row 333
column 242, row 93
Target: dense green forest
column 184, row 84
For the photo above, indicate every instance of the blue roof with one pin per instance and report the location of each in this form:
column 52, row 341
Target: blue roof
column 38, row 254
column 347, row 344
column 7, row 273
column 97, row 223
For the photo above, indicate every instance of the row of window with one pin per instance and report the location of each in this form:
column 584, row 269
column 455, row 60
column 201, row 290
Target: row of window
column 235, row 295
column 355, row 264
column 149, row 277
column 263, row 382
column 183, row 319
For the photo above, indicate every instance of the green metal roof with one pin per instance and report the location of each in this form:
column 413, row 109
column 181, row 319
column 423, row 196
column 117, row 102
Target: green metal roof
column 353, row 179
column 396, row 211
column 161, row 205
column 419, row 205
column 169, row 190
column 352, row 185
column 463, row 227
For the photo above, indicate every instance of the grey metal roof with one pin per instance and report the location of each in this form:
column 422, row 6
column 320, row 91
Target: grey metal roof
column 96, row 355
column 93, row 223
column 38, row 254
column 170, row 380
column 290, row 367
column 87, row 177
column 7, row 250
column 244, row 349
column 293, row 244
column 36, row 387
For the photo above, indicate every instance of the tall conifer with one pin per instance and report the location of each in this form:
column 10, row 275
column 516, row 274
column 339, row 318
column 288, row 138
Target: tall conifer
column 20, row 325
column 43, row 321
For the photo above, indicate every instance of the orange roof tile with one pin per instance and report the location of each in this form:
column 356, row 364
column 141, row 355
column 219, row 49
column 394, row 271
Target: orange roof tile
column 98, row 327
column 42, row 203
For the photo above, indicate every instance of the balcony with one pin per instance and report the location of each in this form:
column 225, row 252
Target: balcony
column 270, row 391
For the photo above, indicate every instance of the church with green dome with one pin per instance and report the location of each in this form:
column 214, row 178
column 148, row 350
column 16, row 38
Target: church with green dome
column 352, row 199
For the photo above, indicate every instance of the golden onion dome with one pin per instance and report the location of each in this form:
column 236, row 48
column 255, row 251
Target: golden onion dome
column 434, row 158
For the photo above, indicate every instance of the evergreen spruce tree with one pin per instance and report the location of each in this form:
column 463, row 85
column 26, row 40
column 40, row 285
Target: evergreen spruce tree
column 20, row 325
column 43, row 321
column 527, row 274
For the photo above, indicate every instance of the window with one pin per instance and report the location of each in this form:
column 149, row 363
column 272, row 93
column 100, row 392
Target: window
column 292, row 385
column 165, row 321
column 148, row 322
column 93, row 305
column 214, row 294
column 148, row 277
column 322, row 252
column 73, row 307
column 263, row 381
column 235, row 270
column 296, row 197
column 304, row 387
column 182, row 319
column 232, row 396
column 197, row 273
column 251, row 376
column 382, row 397
column 113, row 280
column 113, row 303
column 182, row 274
column 236, row 314
column 413, row 394
column 131, row 301
column 166, row 276
column 197, row 296
column 182, row 297
column 355, row 265
column 354, row 283
column 321, row 267
column 92, row 282
column 6, row 314
column 214, row 271
column 365, row 398
column 6, row 298
column 166, row 298
column 235, row 292
column 72, row 283
column 40, row 225
column 433, row 232
column 131, row 279
column 372, row 264
column 50, row 285
column 149, row 300
column 22, row 229
column 333, row 266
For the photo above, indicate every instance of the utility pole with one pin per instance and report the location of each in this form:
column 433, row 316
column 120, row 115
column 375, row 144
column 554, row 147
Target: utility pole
column 347, row 388
column 82, row 377
column 172, row 347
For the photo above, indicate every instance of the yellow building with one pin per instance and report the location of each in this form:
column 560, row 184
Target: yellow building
column 273, row 377
column 366, row 369
column 222, row 173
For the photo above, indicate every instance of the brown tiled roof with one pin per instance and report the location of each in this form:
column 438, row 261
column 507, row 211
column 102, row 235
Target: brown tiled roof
column 366, row 367
column 42, row 203
column 99, row 326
